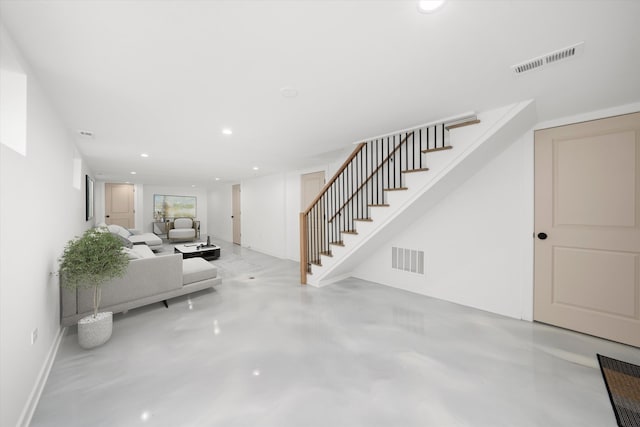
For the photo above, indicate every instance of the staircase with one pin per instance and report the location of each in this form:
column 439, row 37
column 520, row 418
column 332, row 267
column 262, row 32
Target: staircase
column 394, row 177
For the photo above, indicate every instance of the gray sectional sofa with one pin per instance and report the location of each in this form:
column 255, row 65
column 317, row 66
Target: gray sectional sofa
column 149, row 278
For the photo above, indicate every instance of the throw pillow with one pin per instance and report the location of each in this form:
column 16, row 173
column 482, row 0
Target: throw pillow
column 130, row 253
column 118, row 229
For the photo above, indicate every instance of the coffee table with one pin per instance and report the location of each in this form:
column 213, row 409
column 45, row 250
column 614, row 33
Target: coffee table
column 198, row 249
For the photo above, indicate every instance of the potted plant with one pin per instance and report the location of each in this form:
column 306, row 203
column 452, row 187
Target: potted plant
column 89, row 262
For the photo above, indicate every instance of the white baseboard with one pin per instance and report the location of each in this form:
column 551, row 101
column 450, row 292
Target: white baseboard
column 34, row 397
column 326, row 282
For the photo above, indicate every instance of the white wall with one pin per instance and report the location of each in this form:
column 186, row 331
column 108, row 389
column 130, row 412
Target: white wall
column 219, row 222
column 40, row 211
column 146, row 196
column 270, row 207
column 263, row 214
column 477, row 242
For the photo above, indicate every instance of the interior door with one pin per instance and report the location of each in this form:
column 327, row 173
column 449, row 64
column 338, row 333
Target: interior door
column 119, row 205
column 587, row 216
column 310, row 184
column 235, row 213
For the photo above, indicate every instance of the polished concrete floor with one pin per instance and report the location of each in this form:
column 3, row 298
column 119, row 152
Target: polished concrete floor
column 261, row 350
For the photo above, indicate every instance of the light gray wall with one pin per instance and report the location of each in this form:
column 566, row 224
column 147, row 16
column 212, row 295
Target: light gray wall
column 477, row 241
column 40, row 211
column 263, row 214
column 270, row 207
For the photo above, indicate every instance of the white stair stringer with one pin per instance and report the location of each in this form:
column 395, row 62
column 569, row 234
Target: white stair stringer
column 473, row 146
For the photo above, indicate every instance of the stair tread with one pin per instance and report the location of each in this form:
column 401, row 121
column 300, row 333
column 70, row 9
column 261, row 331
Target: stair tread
column 340, row 243
column 363, row 219
column 415, row 170
column 329, row 254
column 396, row 189
column 350, row 232
column 432, row 150
column 383, row 205
column 318, row 263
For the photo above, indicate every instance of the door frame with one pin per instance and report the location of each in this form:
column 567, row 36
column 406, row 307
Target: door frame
column 529, row 299
column 236, row 223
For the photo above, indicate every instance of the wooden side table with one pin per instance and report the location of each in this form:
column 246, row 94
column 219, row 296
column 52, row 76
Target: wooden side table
column 196, row 225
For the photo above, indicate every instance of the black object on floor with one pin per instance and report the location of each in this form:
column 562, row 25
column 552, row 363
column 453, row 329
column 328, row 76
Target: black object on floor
column 623, row 384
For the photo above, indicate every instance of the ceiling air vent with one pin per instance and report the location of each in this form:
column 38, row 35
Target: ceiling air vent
column 85, row 133
column 550, row 58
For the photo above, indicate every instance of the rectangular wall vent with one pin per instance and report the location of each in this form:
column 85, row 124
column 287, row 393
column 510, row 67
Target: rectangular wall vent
column 550, row 58
column 410, row 260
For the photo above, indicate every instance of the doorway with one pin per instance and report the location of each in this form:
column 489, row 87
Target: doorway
column 311, row 184
column 119, row 205
column 587, row 227
column 236, row 213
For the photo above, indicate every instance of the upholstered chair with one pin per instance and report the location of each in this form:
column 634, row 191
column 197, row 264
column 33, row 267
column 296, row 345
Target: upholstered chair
column 183, row 229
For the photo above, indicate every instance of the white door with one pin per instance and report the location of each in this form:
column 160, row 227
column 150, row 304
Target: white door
column 119, row 205
column 235, row 213
column 587, row 226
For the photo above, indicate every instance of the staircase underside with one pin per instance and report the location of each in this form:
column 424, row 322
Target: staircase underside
column 472, row 148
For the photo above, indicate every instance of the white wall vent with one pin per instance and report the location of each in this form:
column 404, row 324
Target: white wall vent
column 550, row 58
column 407, row 260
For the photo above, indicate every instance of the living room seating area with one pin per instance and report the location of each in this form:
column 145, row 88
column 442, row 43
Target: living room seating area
column 135, row 237
column 182, row 229
column 150, row 278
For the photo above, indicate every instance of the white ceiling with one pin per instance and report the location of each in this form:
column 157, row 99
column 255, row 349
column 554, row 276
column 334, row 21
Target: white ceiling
column 165, row 77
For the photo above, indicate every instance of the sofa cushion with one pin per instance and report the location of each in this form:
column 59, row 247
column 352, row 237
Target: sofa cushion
column 197, row 269
column 143, row 251
column 118, row 229
column 149, row 239
column 183, row 223
column 130, row 253
column 182, row 233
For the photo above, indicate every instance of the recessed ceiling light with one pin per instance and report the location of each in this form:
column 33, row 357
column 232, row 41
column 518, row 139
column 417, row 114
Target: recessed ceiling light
column 133, row 173
column 227, row 131
column 193, row 186
column 144, row 155
column 289, row 92
column 217, row 179
column 428, row 6
column 255, row 168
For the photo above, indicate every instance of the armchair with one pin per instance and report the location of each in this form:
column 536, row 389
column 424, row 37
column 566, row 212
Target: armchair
column 182, row 229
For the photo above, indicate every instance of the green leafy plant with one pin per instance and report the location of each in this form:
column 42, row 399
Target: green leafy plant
column 92, row 260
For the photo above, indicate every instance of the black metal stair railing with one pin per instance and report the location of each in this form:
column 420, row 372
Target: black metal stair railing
column 375, row 167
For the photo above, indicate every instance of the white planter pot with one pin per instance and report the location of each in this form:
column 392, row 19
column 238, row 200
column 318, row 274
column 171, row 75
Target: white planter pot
column 95, row 331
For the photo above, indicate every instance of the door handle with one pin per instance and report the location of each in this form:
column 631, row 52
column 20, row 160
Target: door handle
column 542, row 236
column 107, row 216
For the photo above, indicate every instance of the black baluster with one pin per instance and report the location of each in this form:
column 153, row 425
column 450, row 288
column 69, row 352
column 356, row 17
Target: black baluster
column 420, row 148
